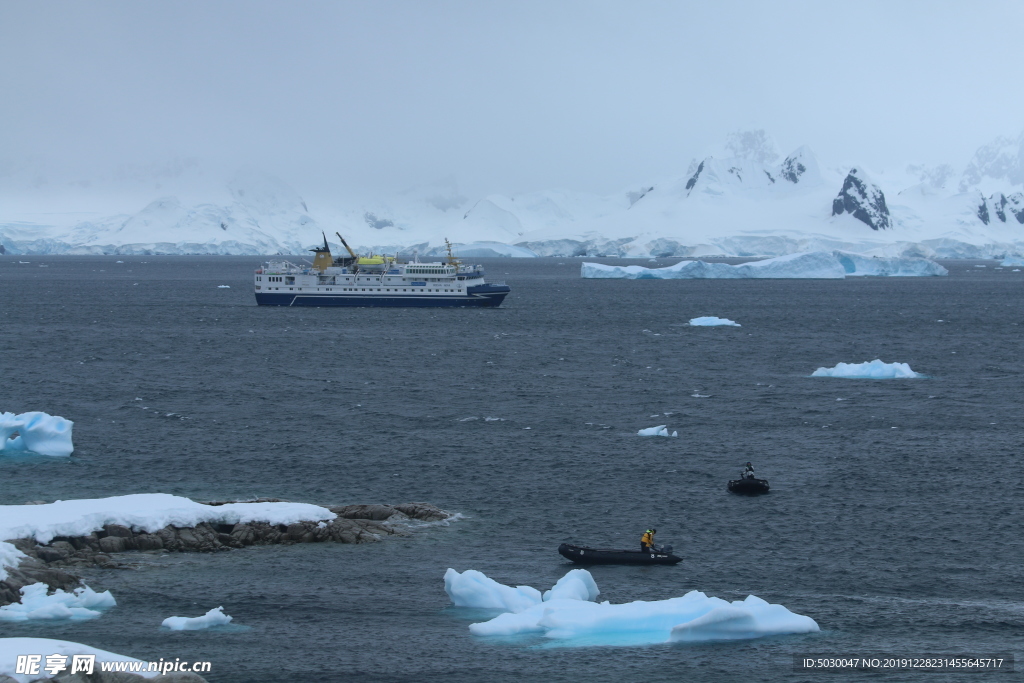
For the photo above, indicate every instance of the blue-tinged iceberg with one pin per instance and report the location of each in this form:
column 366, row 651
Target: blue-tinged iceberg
column 37, row 605
column 820, row 265
column 569, row 613
column 875, row 369
column 36, row 432
column 712, row 321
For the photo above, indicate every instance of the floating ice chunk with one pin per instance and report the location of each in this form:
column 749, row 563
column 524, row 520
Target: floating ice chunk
column 573, row 616
column 37, row 432
column 660, row 430
column 712, row 321
column 1012, row 261
column 749, row 618
column 11, row 648
column 214, row 617
column 876, row 369
column 35, row 604
column 223, row 286
column 473, row 589
column 578, row 584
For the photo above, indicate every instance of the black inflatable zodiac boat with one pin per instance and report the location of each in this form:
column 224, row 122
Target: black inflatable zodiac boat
column 749, row 487
column 584, row 555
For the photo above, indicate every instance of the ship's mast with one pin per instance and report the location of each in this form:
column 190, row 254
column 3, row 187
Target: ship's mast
column 452, row 261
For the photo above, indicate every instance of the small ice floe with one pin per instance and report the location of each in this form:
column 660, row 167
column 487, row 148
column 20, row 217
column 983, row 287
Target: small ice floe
column 223, row 286
column 214, row 617
column 569, row 612
column 469, row 419
column 712, row 321
column 37, row 432
column 660, row 430
column 118, row 261
column 875, row 369
column 696, row 395
column 37, row 605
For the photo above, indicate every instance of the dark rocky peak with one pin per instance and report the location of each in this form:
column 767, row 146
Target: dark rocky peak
column 693, row 179
column 792, row 169
column 863, row 200
column 1003, row 207
column 800, row 165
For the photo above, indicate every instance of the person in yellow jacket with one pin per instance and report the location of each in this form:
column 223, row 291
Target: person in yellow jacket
column 647, row 540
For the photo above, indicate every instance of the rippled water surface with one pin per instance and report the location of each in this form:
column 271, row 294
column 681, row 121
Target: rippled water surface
column 894, row 519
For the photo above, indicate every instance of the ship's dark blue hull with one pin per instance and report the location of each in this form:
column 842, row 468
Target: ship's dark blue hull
column 487, row 296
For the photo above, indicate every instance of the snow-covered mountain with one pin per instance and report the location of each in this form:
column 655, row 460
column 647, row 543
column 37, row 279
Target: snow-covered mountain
column 747, row 201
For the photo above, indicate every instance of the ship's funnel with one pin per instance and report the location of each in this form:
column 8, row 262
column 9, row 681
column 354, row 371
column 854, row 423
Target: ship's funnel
column 322, row 259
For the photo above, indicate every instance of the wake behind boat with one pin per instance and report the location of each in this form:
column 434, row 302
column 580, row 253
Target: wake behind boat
column 374, row 281
column 584, row 555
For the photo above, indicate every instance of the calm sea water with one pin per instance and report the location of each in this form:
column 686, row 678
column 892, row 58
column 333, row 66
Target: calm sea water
column 894, row 519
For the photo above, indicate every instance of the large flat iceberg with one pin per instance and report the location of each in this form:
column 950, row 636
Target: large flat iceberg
column 875, row 369
column 568, row 613
column 36, row 605
column 36, row 432
column 712, row 321
column 147, row 512
column 822, row 265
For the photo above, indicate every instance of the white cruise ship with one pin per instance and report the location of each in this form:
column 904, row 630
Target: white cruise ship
column 374, row 281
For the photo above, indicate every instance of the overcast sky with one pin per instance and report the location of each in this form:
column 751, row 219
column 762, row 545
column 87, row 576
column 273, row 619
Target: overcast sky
column 508, row 96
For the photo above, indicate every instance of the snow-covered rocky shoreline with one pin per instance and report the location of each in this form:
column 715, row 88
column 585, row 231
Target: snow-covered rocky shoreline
column 44, row 543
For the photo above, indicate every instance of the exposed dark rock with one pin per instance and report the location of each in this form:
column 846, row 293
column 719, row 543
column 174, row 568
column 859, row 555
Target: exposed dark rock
column 693, row 179
column 983, row 212
column 425, row 512
column 354, row 524
column 378, row 223
column 792, row 169
column 863, row 200
column 1003, row 206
